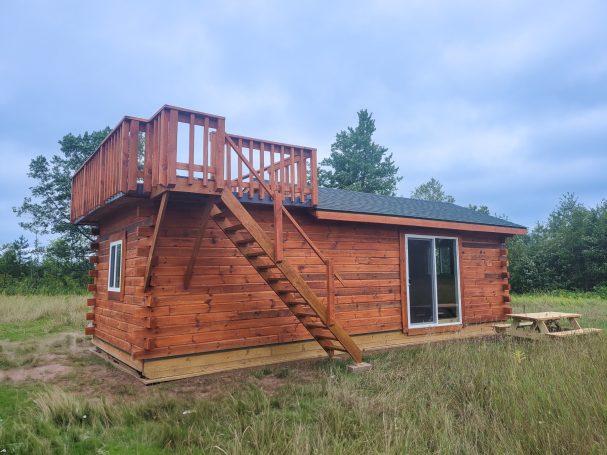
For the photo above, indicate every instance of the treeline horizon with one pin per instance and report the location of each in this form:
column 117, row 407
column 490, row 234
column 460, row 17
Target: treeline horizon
column 566, row 252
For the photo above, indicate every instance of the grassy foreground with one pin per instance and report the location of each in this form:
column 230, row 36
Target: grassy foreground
column 490, row 396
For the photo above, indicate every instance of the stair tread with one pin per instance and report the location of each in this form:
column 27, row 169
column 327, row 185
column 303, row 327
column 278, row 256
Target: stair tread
column 328, row 345
column 232, row 217
column 315, row 325
column 247, row 241
column 234, row 228
column 266, row 266
column 255, row 254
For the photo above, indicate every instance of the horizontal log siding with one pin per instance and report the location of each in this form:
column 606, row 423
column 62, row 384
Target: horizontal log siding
column 118, row 320
column 229, row 305
column 484, row 278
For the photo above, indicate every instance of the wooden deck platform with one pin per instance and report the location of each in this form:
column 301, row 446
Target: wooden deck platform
column 170, row 369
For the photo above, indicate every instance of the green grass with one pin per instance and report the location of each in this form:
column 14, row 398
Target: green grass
column 592, row 306
column 25, row 317
column 497, row 396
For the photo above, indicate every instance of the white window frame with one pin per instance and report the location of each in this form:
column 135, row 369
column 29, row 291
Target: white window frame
column 112, row 267
column 435, row 323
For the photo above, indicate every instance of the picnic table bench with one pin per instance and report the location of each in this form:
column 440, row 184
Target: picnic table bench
column 546, row 323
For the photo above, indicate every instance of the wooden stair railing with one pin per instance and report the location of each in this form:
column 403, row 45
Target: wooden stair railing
column 255, row 245
column 308, row 301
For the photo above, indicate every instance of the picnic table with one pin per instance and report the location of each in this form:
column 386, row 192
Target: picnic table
column 549, row 323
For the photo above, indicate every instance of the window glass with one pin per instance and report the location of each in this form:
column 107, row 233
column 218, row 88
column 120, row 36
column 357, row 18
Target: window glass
column 115, row 266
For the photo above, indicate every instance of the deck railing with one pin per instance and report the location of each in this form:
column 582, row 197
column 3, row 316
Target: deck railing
column 111, row 171
column 190, row 151
column 287, row 169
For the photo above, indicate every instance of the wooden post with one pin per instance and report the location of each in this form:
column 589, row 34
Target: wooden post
column 161, row 211
column 220, row 144
column 205, row 152
column 330, row 292
column 292, row 173
column 239, row 159
column 191, row 150
column 278, row 240
column 147, row 161
column 251, row 182
column 123, row 150
column 133, row 155
column 314, row 177
column 302, row 176
column 262, row 172
column 272, row 176
column 173, row 119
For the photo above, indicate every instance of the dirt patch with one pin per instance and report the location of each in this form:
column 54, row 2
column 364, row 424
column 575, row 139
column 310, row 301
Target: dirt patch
column 40, row 373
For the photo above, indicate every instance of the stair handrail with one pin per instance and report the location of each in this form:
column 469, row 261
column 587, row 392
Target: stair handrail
column 280, row 209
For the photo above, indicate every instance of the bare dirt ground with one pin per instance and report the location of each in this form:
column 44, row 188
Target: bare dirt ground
column 68, row 360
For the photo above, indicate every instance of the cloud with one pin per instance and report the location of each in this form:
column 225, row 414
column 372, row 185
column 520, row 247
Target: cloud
column 504, row 102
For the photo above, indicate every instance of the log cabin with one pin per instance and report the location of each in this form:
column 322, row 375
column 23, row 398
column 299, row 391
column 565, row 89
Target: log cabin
column 215, row 251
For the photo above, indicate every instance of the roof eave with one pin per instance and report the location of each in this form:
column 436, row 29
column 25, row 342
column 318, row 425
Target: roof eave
column 416, row 222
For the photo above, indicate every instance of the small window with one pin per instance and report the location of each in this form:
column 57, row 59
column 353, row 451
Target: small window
column 113, row 280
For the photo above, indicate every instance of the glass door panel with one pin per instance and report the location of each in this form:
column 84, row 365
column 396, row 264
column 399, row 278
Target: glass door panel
column 421, row 282
column 446, row 281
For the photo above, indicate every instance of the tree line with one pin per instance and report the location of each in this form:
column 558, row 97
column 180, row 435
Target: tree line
column 568, row 251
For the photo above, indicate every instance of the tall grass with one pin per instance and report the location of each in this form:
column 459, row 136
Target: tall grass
column 492, row 396
column 23, row 317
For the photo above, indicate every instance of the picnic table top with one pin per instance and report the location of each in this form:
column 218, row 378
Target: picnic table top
column 543, row 316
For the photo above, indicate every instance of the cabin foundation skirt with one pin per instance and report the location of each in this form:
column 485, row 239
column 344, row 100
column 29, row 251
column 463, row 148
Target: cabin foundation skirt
column 186, row 366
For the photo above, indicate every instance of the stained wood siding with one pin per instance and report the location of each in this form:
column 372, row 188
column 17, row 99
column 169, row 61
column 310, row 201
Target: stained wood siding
column 228, row 305
column 117, row 319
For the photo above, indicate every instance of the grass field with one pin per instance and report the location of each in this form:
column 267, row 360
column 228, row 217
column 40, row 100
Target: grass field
column 491, row 396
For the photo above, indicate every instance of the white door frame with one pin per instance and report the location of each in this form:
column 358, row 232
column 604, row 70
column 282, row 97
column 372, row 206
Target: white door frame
column 456, row 263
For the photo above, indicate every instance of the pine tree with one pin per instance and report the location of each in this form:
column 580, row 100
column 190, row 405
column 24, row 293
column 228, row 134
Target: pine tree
column 357, row 163
column 432, row 190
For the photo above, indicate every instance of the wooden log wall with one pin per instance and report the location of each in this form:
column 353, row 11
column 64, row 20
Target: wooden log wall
column 228, row 305
column 117, row 316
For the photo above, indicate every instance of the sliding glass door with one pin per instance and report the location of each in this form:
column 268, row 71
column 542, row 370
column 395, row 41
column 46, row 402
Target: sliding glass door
column 433, row 281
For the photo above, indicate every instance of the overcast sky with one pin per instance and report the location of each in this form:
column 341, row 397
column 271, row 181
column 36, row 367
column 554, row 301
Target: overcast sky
column 505, row 102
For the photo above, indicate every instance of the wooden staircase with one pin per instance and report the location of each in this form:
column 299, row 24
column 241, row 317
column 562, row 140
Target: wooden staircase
column 254, row 244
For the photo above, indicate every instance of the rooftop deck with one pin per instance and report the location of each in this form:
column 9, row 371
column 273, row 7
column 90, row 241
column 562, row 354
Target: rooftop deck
column 188, row 151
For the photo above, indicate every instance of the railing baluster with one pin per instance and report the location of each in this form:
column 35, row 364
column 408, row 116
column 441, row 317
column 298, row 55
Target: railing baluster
column 162, row 172
column 251, row 189
column 229, row 166
column 191, row 150
column 123, row 147
column 205, row 153
column 292, row 176
column 302, row 176
column 262, row 171
column 278, row 237
column 314, row 177
column 147, row 161
column 220, row 134
column 282, row 169
column 240, row 168
column 133, row 155
column 173, row 119
column 272, row 176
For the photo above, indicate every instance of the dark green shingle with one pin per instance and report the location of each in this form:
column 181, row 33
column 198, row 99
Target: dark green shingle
column 354, row 202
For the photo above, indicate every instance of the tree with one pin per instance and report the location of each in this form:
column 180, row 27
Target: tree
column 15, row 258
column 480, row 209
column 359, row 164
column 569, row 251
column 47, row 209
column 432, row 190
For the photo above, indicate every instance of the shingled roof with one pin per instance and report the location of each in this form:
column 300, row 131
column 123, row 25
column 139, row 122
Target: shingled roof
column 330, row 199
